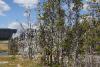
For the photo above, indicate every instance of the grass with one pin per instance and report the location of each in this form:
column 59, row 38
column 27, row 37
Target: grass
column 3, row 47
column 14, row 61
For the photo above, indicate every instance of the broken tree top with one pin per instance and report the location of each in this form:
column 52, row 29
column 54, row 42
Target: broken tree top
column 6, row 33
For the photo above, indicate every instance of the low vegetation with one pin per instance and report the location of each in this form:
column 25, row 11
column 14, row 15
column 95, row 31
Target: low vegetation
column 16, row 61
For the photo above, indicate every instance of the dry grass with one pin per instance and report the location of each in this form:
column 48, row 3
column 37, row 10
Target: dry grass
column 15, row 61
column 4, row 58
column 3, row 46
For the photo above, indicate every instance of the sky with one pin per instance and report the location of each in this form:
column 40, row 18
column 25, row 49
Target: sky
column 12, row 10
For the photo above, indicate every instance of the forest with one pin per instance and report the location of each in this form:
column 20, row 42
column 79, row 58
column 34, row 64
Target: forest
column 64, row 37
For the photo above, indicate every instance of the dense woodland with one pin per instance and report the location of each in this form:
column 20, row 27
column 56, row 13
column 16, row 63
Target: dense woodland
column 65, row 37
